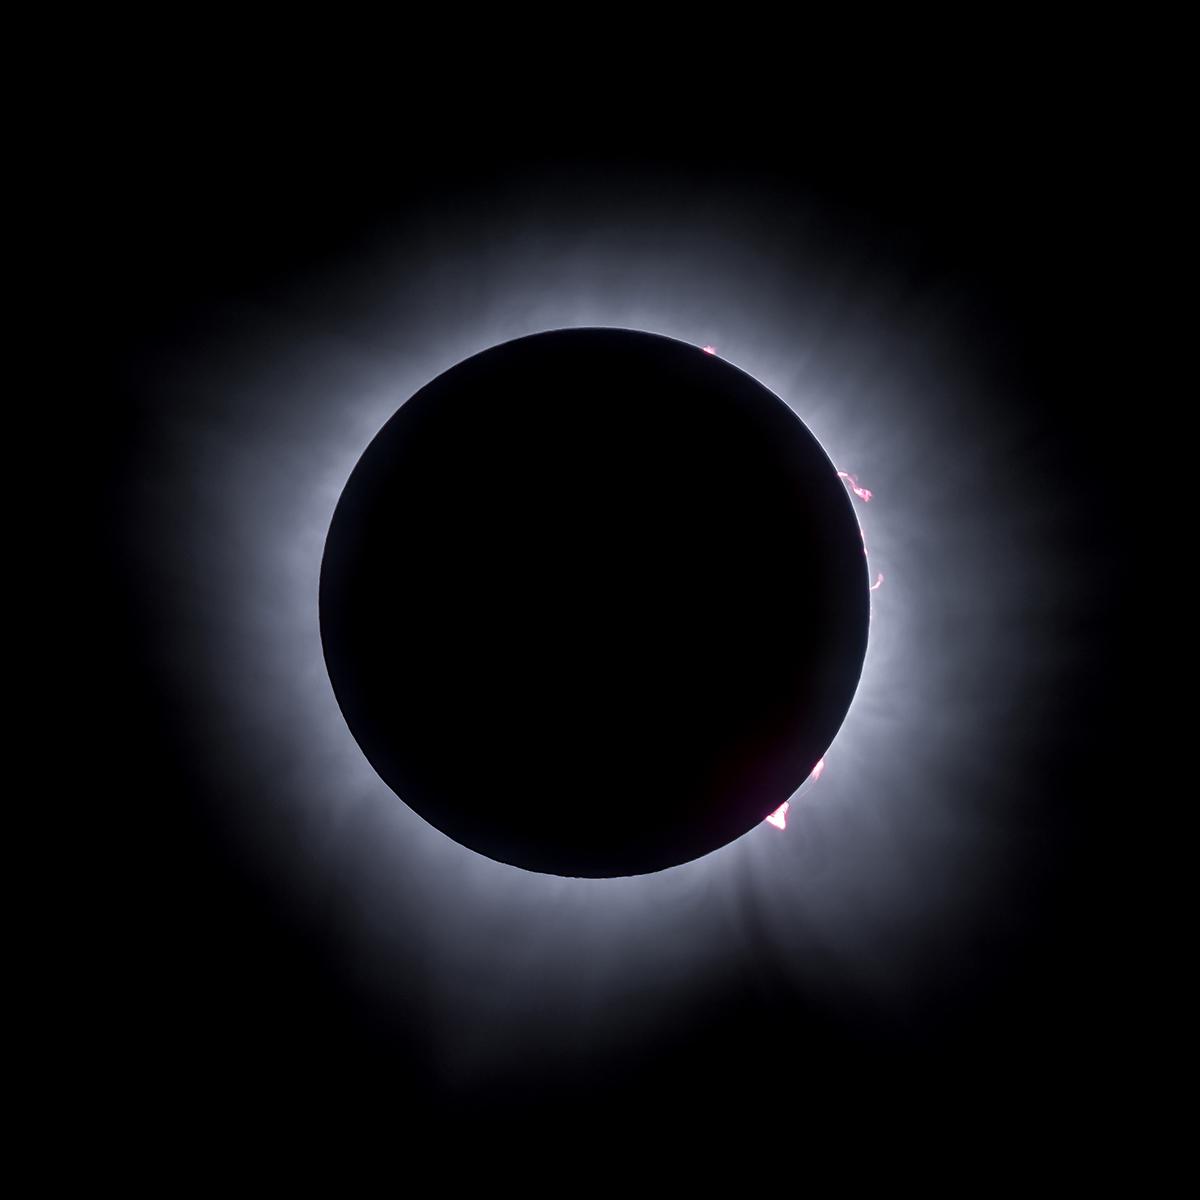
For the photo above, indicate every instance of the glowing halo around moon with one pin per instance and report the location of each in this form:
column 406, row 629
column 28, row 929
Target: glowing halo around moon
column 257, row 425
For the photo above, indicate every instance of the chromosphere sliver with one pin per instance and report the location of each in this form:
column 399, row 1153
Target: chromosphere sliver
column 594, row 602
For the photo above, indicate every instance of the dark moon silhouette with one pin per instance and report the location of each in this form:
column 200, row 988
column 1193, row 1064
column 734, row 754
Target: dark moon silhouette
column 594, row 602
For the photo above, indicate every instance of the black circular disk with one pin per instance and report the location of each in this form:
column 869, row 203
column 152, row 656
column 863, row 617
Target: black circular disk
column 594, row 602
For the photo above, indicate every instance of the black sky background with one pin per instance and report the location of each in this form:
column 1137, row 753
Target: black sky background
column 213, row 1005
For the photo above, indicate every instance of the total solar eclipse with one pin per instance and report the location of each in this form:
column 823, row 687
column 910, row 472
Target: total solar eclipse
column 594, row 602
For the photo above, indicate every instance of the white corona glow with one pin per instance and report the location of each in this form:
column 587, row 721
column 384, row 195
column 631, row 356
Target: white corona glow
column 256, row 429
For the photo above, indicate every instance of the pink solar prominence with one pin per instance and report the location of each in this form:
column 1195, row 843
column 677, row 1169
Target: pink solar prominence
column 778, row 819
